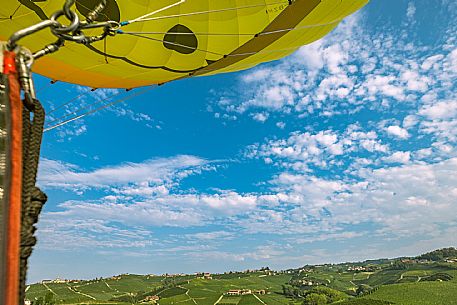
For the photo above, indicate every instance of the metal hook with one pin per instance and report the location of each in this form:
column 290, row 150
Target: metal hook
column 24, row 63
column 65, row 29
column 12, row 42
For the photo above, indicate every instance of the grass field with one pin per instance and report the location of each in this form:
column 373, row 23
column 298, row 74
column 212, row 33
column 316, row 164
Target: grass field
column 423, row 293
column 193, row 292
column 402, row 287
column 250, row 300
column 359, row 301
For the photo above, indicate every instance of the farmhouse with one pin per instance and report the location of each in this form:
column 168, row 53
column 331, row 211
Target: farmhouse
column 152, row 298
column 308, row 283
column 359, row 268
column 261, row 291
column 115, row 278
column 239, row 292
column 207, row 276
column 204, row 275
column 56, row 281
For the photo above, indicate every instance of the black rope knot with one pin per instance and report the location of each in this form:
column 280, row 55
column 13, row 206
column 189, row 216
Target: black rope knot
column 33, row 199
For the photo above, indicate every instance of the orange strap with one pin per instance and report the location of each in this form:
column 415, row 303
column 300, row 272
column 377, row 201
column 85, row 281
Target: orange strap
column 15, row 188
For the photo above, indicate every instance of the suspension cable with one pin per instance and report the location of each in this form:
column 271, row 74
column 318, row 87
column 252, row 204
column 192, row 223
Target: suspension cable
column 141, row 35
column 236, row 34
column 98, row 101
column 145, row 17
column 171, row 43
column 45, row 87
column 210, row 11
column 69, row 102
column 184, row 33
column 15, row 11
column 120, row 100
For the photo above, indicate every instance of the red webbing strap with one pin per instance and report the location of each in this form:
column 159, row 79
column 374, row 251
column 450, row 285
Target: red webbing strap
column 15, row 191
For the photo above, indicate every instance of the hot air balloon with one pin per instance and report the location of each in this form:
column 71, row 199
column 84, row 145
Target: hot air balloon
column 122, row 44
column 181, row 38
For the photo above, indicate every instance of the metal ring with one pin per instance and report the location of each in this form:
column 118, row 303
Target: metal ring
column 67, row 8
column 62, row 28
column 79, row 37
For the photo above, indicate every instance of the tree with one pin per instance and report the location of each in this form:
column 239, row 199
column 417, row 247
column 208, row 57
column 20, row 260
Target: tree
column 39, row 301
column 363, row 289
column 315, row 299
column 332, row 295
column 287, row 291
column 297, row 292
column 49, row 299
column 398, row 265
column 439, row 254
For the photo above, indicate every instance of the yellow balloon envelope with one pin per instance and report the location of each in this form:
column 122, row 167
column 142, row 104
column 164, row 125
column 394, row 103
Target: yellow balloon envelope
column 180, row 39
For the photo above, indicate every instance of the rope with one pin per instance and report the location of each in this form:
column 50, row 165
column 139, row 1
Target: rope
column 45, row 87
column 69, row 102
column 208, row 12
column 83, row 108
column 28, row 240
column 171, row 43
column 98, row 109
column 141, row 18
column 15, row 11
column 181, row 33
column 235, row 34
column 33, row 198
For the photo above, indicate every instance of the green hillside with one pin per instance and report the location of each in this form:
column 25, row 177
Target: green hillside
column 423, row 293
column 377, row 282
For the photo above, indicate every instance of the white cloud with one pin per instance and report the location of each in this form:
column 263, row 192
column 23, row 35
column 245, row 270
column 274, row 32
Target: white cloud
column 157, row 171
column 323, row 149
column 281, row 125
column 398, row 157
column 355, row 69
column 328, row 236
column 411, row 11
column 215, row 235
column 398, row 132
column 431, row 61
column 317, row 208
column 256, row 75
column 63, row 233
column 260, row 117
column 383, row 197
column 410, row 121
column 311, row 56
column 440, row 119
column 440, row 111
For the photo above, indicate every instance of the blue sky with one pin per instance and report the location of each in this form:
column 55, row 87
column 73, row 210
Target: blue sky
column 344, row 151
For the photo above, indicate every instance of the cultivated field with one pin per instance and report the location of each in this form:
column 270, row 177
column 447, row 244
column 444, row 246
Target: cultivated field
column 188, row 291
column 382, row 282
column 424, row 293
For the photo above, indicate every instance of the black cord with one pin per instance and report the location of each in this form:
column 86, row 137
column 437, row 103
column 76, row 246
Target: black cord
column 33, row 198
